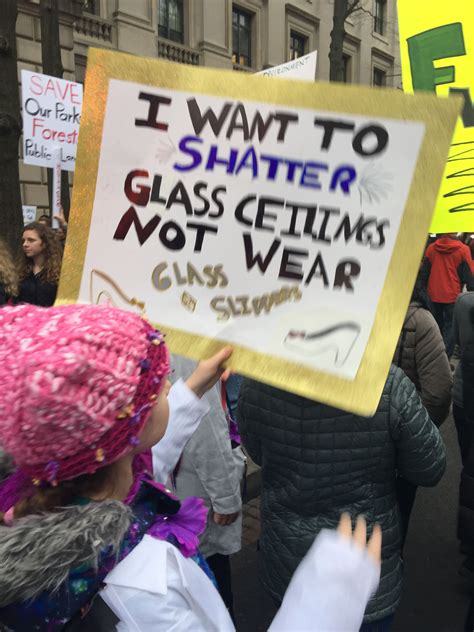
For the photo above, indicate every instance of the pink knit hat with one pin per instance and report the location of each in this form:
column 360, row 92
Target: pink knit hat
column 77, row 384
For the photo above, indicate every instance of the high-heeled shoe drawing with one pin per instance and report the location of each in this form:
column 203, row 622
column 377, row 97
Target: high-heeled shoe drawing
column 340, row 337
column 104, row 290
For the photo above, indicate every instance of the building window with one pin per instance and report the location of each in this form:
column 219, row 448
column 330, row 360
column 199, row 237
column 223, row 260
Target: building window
column 379, row 78
column 241, row 37
column 379, row 16
column 171, row 20
column 91, row 6
column 297, row 45
column 347, row 68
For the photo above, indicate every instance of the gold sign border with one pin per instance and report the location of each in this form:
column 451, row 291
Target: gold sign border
column 439, row 116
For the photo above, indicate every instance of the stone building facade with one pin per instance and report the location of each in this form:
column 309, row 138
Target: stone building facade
column 244, row 35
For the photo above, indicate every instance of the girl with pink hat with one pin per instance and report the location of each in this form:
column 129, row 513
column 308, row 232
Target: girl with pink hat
column 89, row 540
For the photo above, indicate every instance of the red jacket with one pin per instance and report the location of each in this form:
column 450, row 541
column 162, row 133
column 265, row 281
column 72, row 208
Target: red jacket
column 451, row 267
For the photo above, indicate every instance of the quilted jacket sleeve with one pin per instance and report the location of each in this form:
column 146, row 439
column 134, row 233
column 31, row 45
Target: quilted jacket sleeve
column 421, row 455
column 432, row 365
column 247, row 427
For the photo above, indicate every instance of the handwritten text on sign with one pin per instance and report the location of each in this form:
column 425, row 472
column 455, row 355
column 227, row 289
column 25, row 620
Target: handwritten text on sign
column 437, row 40
column 265, row 226
column 303, row 68
column 51, row 118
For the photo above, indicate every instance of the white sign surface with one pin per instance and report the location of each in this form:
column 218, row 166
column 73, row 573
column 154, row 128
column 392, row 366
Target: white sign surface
column 51, row 117
column 29, row 214
column 266, row 226
column 303, row 68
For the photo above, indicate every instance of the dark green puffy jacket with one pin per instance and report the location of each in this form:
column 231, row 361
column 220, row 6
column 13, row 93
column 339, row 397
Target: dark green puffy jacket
column 319, row 461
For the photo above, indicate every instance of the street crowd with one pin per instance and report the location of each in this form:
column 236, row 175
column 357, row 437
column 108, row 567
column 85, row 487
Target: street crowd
column 121, row 482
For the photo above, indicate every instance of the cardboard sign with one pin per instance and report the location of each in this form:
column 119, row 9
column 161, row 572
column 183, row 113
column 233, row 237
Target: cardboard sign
column 29, row 214
column 282, row 217
column 303, row 68
column 437, row 51
column 51, row 117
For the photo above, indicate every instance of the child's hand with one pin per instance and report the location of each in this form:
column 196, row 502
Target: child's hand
column 359, row 537
column 61, row 218
column 224, row 520
column 208, row 372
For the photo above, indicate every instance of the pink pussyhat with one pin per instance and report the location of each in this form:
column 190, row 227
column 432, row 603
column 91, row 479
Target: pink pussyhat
column 77, row 385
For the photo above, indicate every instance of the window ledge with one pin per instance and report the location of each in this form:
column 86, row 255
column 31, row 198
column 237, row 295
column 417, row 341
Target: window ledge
column 382, row 38
column 241, row 68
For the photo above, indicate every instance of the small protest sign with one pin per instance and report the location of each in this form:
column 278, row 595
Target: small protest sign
column 303, row 68
column 437, row 52
column 285, row 218
column 29, row 214
column 51, row 117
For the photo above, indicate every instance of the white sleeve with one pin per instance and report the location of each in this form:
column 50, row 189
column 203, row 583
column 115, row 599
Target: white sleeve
column 156, row 589
column 145, row 611
column 152, row 613
column 332, row 573
column 186, row 411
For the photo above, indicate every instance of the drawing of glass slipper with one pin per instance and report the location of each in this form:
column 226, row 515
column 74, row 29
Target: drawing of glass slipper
column 340, row 338
column 105, row 291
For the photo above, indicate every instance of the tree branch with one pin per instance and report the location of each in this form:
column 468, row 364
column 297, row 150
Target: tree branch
column 356, row 5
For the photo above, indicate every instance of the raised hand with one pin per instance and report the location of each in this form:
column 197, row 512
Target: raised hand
column 208, row 372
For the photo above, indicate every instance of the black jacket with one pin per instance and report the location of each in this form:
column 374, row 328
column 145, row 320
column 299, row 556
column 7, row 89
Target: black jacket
column 35, row 290
column 319, row 461
column 466, row 489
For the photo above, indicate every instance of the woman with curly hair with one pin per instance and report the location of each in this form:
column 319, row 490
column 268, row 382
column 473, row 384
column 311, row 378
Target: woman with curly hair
column 8, row 275
column 39, row 265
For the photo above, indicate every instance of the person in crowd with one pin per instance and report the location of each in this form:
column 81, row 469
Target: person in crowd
column 60, row 228
column 45, row 220
column 61, row 231
column 463, row 332
column 447, row 268
column 466, row 488
column 85, row 404
column 463, row 411
column 8, row 276
column 421, row 354
column 318, row 461
column 39, row 265
column 211, row 467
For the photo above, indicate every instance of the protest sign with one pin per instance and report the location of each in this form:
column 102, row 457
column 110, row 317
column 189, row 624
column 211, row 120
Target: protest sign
column 285, row 218
column 29, row 214
column 437, row 52
column 51, row 117
column 303, row 68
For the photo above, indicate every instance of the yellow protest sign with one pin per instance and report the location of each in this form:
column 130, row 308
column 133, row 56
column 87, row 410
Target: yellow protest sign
column 437, row 51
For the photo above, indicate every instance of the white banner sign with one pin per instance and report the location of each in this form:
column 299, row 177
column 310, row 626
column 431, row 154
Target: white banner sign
column 29, row 214
column 303, row 68
column 282, row 218
column 279, row 243
column 51, row 117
